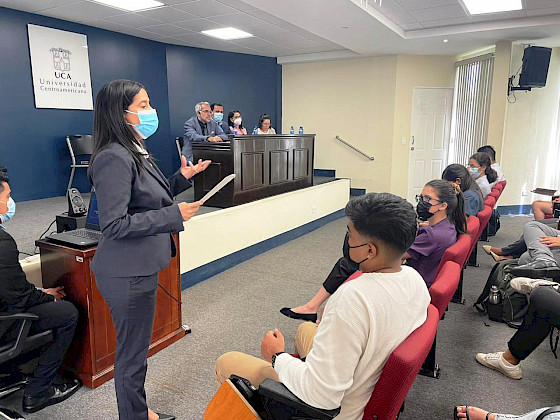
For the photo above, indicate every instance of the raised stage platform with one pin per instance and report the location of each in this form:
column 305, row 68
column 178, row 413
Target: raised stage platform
column 218, row 239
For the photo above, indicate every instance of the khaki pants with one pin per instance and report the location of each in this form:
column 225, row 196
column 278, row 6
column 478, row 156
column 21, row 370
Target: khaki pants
column 257, row 370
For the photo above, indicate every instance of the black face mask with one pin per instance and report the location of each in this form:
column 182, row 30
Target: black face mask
column 423, row 210
column 346, row 252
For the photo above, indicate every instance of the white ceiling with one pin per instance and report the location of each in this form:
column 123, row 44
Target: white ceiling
column 303, row 30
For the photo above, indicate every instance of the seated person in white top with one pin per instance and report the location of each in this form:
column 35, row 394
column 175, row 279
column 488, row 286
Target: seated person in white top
column 363, row 322
column 489, row 150
column 481, row 170
column 264, row 125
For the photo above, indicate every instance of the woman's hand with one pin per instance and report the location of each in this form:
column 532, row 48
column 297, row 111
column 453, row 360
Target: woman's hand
column 189, row 170
column 188, row 210
column 550, row 241
column 57, row 292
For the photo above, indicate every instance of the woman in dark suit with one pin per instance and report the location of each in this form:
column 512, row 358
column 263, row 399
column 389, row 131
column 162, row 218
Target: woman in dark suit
column 137, row 217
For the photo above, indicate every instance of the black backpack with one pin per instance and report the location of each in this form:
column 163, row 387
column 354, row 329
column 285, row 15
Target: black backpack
column 494, row 223
column 513, row 305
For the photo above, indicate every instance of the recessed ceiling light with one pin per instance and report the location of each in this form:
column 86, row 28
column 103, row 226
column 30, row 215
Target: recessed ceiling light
column 131, row 5
column 445, row 40
column 478, row 7
column 227, row 33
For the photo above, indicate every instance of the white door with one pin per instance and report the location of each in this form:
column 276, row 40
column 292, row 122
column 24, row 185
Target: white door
column 429, row 136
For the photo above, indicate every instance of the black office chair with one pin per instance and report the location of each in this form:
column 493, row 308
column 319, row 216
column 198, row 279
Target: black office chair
column 23, row 344
column 79, row 145
column 179, row 142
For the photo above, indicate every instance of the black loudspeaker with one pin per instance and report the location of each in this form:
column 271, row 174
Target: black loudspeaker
column 535, row 67
column 76, row 205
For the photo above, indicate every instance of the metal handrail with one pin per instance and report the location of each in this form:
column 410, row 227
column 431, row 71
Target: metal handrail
column 355, row 148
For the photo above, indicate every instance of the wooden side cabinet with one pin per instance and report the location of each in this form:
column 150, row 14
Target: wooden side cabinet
column 92, row 353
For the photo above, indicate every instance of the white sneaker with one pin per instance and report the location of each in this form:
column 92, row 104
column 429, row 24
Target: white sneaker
column 497, row 362
column 526, row 284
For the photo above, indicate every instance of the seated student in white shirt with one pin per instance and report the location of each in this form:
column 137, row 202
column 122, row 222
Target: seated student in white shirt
column 489, row 150
column 481, row 170
column 363, row 322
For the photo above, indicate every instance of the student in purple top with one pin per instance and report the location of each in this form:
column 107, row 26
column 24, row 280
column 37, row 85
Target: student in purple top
column 442, row 207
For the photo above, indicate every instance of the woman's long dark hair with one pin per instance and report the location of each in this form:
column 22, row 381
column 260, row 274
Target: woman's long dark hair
column 262, row 118
column 484, row 160
column 451, row 194
column 109, row 125
column 454, row 171
column 230, row 116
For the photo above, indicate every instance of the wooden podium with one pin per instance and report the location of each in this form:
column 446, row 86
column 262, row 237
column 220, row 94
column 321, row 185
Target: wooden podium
column 91, row 355
column 264, row 165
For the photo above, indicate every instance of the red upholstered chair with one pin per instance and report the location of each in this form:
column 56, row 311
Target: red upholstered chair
column 400, row 371
column 458, row 252
column 499, row 186
column 483, row 218
column 490, row 201
column 495, row 193
column 444, row 286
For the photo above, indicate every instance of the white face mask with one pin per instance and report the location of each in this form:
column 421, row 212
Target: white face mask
column 238, row 121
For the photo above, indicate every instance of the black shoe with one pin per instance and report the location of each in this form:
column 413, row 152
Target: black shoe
column 58, row 393
column 165, row 416
column 538, row 269
column 10, row 414
column 291, row 314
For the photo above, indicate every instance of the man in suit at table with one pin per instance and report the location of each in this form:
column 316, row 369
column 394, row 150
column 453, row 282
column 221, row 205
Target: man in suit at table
column 18, row 295
column 201, row 127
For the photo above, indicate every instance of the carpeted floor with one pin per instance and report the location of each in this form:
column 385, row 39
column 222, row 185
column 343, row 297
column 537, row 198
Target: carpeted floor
column 233, row 310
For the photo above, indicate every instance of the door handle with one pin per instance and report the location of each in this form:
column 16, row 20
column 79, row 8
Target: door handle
column 412, row 140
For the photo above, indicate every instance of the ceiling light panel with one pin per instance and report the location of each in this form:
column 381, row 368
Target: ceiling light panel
column 227, row 33
column 131, row 5
column 478, row 7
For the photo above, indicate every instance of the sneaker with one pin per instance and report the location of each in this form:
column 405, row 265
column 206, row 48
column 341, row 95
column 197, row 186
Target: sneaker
column 497, row 362
column 526, row 285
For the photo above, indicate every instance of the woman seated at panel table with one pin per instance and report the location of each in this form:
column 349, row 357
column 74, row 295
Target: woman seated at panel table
column 264, row 125
column 235, row 123
column 482, row 172
column 441, row 207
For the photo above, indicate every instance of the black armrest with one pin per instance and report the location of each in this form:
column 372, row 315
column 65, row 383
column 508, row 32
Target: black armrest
column 15, row 317
column 281, row 403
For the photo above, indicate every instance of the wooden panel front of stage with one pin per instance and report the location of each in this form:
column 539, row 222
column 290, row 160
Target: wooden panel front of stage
column 92, row 353
column 264, row 165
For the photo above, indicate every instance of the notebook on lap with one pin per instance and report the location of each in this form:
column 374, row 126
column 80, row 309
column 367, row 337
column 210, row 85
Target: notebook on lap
column 86, row 237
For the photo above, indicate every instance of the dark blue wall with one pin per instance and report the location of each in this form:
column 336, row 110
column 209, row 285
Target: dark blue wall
column 247, row 83
column 32, row 143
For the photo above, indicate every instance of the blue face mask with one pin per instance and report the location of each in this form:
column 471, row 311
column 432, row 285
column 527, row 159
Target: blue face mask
column 148, row 122
column 473, row 171
column 218, row 116
column 11, row 210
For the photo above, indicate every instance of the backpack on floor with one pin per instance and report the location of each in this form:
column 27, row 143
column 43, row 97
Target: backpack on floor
column 494, row 223
column 513, row 305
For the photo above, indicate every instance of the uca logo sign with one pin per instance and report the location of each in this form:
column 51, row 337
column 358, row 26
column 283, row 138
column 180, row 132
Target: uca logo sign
column 61, row 62
column 60, row 68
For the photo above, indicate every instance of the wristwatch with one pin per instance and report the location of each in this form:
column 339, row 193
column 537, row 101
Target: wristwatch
column 274, row 357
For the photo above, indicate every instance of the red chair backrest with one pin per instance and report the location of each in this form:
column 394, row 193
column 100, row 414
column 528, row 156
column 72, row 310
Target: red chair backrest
column 400, row 370
column 444, row 286
column 499, row 186
column 473, row 224
column 495, row 193
column 458, row 252
column 490, row 201
column 483, row 218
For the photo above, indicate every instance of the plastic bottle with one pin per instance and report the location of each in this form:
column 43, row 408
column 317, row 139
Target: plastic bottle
column 292, row 129
column 255, row 130
column 301, row 129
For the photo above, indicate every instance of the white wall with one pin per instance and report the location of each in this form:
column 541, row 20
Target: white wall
column 530, row 146
column 367, row 102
